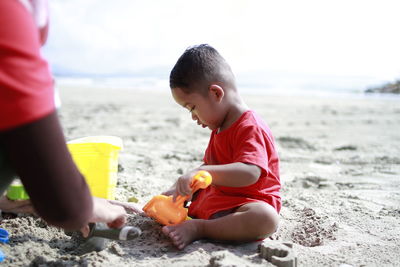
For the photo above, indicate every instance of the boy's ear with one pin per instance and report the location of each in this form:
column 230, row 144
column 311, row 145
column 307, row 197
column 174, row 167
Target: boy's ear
column 216, row 92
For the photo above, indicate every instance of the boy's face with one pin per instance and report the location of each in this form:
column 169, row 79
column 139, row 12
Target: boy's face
column 203, row 108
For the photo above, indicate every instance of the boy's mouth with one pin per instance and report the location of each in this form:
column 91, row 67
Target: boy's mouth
column 201, row 124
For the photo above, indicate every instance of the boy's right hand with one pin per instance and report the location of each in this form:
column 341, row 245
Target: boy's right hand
column 183, row 183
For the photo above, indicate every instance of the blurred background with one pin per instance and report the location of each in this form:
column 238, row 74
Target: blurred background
column 285, row 47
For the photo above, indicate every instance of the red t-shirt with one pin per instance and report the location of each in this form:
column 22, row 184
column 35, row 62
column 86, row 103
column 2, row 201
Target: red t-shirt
column 26, row 86
column 37, row 151
column 248, row 140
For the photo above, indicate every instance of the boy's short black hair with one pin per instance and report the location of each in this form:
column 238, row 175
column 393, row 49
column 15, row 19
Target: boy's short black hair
column 199, row 67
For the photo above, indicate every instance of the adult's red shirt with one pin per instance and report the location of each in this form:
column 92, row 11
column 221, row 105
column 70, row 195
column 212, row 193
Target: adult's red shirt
column 248, row 140
column 26, row 86
column 32, row 143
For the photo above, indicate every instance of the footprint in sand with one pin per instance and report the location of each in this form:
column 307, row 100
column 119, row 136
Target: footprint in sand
column 357, row 186
column 294, row 143
column 180, row 156
column 387, row 160
column 353, row 171
column 346, row 147
column 390, row 212
column 311, row 182
column 325, row 160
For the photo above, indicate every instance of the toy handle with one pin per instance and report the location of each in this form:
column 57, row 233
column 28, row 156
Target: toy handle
column 201, row 180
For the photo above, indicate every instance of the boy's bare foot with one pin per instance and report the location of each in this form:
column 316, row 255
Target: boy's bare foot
column 184, row 233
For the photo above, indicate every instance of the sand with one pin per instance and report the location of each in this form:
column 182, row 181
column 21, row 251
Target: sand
column 340, row 170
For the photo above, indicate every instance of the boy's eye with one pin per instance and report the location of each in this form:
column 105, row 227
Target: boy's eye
column 190, row 110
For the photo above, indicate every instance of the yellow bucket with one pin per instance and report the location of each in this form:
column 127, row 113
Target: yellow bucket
column 97, row 159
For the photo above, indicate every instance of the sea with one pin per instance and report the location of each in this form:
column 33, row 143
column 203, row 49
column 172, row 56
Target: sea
column 298, row 85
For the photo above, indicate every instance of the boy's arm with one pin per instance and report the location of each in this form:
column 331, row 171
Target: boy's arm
column 235, row 174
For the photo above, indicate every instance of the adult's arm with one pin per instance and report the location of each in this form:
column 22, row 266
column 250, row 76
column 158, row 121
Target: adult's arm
column 39, row 155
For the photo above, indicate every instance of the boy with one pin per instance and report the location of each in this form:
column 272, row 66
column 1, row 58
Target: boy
column 243, row 201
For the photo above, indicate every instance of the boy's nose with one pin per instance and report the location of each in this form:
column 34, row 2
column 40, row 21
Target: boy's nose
column 194, row 117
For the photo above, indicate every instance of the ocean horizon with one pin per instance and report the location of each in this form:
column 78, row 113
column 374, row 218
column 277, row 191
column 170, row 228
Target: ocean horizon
column 275, row 85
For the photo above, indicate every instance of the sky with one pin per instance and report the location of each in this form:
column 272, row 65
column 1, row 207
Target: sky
column 340, row 43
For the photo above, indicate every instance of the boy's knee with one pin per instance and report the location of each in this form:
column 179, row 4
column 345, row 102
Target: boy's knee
column 271, row 219
column 265, row 219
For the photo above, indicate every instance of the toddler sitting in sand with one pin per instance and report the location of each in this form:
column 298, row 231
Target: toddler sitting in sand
column 243, row 202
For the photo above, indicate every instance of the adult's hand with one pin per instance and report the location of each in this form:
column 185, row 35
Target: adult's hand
column 103, row 211
column 15, row 206
column 128, row 206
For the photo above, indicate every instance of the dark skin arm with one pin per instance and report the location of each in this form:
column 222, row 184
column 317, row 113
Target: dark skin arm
column 38, row 153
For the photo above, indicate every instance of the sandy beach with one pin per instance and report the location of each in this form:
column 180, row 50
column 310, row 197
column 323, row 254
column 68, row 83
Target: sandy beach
column 340, row 171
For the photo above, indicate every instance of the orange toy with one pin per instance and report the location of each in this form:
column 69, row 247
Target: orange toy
column 167, row 212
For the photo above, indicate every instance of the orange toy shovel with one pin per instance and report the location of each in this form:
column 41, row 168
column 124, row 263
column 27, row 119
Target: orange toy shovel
column 167, row 212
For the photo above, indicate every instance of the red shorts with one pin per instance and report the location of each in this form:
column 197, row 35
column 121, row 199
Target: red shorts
column 210, row 201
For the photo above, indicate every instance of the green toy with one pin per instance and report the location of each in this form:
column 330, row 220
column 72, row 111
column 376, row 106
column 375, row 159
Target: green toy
column 16, row 191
